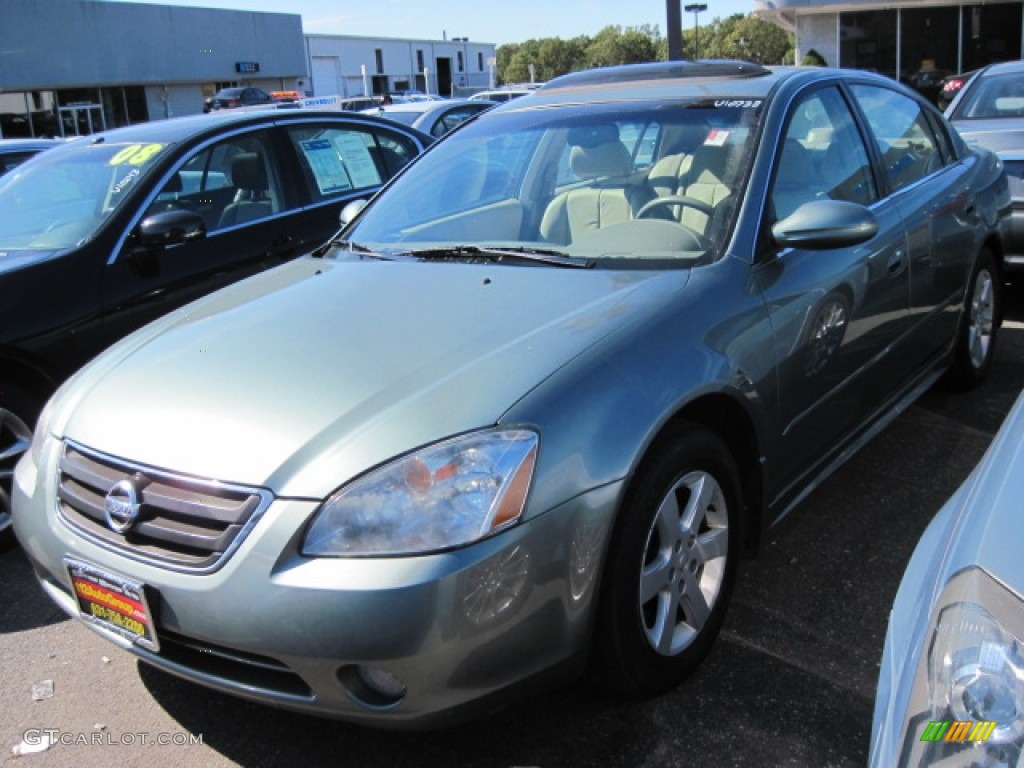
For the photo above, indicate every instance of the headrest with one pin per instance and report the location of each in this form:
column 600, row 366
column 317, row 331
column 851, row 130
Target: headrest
column 610, row 159
column 173, row 184
column 247, row 172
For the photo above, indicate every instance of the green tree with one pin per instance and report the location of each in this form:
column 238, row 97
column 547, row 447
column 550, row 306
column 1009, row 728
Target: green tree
column 613, row 46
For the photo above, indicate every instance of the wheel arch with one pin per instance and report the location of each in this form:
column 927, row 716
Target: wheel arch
column 19, row 370
column 723, row 415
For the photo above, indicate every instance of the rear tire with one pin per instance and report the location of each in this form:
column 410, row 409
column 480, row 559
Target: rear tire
column 671, row 566
column 978, row 327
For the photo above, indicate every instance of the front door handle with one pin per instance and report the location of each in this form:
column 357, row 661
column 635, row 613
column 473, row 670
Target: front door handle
column 897, row 263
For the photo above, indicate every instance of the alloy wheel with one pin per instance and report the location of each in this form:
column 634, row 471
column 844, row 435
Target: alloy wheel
column 684, row 563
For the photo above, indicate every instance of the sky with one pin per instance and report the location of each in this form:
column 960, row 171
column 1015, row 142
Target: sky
column 482, row 21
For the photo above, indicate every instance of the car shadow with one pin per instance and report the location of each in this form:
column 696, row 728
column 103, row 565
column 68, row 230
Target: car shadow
column 721, row 710
column 25, row 605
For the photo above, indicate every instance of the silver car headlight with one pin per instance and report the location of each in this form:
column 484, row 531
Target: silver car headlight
column 967, row 704
column 442, row 496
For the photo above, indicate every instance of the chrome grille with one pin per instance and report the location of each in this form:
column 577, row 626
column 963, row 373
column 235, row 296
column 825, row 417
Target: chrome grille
column 183, row 523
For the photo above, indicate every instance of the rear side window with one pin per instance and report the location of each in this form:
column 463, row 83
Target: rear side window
column 337, row 160
column 905, row 139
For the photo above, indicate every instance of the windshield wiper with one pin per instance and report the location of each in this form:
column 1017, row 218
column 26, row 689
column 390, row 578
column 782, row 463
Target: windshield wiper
column 549, row 257
column 347, row 245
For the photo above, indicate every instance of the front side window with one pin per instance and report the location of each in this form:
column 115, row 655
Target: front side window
column 823, row 156
column 63, row 198
column 228, row 183
column 611, row 185
column 904, row 137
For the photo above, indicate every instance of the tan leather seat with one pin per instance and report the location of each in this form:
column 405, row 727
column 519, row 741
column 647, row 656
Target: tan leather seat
column 611, row 199
column 252, row 201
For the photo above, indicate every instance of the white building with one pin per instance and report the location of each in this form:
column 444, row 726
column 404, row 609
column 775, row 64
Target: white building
column 74, row 67
column 358, row 66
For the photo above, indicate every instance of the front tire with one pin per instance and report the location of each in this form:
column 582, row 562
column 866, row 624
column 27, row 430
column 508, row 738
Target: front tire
column 978, row 327
column 670, row 566
column 16, row 411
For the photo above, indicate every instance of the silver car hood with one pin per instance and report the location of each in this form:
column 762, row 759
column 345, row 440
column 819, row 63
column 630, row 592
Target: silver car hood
column 305, row 376
column 984, row 530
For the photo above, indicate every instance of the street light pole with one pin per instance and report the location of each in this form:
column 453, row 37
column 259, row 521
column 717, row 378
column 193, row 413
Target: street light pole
column 696, row 8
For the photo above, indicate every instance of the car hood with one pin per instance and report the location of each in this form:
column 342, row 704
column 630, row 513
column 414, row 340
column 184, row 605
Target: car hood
column 305, row 376
column 985, row 528
column 999, row 135
column 13, row 259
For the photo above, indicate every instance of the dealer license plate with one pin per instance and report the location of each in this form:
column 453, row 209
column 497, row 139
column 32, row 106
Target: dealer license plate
column 113, row 602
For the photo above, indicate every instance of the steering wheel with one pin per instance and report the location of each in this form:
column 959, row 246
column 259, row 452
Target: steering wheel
column 688, row 202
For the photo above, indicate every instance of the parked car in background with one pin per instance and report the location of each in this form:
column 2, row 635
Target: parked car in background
column 231, row 98
column 928, row 82
column 951, row 686
column 506, row 92
column 433, row 117
column 14, row 152
column 362, row 103
column 951, row 86
column 285, row 97
column 100, row 236
column 989, row 112
column 512, row 423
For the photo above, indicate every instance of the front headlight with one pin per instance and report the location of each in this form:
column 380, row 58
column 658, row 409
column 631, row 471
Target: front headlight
column 967, row 705
column 442, row 496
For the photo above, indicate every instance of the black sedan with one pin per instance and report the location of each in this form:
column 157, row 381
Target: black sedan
column 231, row 98
column 100, row 236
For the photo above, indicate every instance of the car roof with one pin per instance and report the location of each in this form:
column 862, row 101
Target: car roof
column 1003, row 68
column 421, row 106
column 177, row 129
column 665, row 81
column 15, row 145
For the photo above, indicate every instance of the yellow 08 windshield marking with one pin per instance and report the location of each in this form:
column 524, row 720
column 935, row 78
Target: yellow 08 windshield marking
column 135, row 154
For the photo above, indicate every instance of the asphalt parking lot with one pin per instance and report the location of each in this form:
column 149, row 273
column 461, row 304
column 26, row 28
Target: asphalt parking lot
column 790, row 683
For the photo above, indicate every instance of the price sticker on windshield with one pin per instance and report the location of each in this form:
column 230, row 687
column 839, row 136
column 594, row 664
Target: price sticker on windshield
column 136, row 154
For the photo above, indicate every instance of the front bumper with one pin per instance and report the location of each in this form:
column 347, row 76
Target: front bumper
column 458, row 629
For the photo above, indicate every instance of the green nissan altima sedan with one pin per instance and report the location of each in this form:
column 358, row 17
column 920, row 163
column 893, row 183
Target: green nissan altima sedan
column 524, row 416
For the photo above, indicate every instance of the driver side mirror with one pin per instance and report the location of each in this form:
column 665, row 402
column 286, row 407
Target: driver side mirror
column 824, row 224
column 161, row 230
column 171, row 228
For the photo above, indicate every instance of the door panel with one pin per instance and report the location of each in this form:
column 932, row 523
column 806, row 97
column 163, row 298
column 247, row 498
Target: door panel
column 838, row 315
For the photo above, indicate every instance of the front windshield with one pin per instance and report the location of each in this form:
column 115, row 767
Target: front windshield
column 60, row 198
column 612, row 184
column 993, row 96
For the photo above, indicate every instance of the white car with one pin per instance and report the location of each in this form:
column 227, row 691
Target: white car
column 433, row 117
column 951, row 688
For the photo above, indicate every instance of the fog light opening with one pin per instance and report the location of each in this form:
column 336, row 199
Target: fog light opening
column 372, row 687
